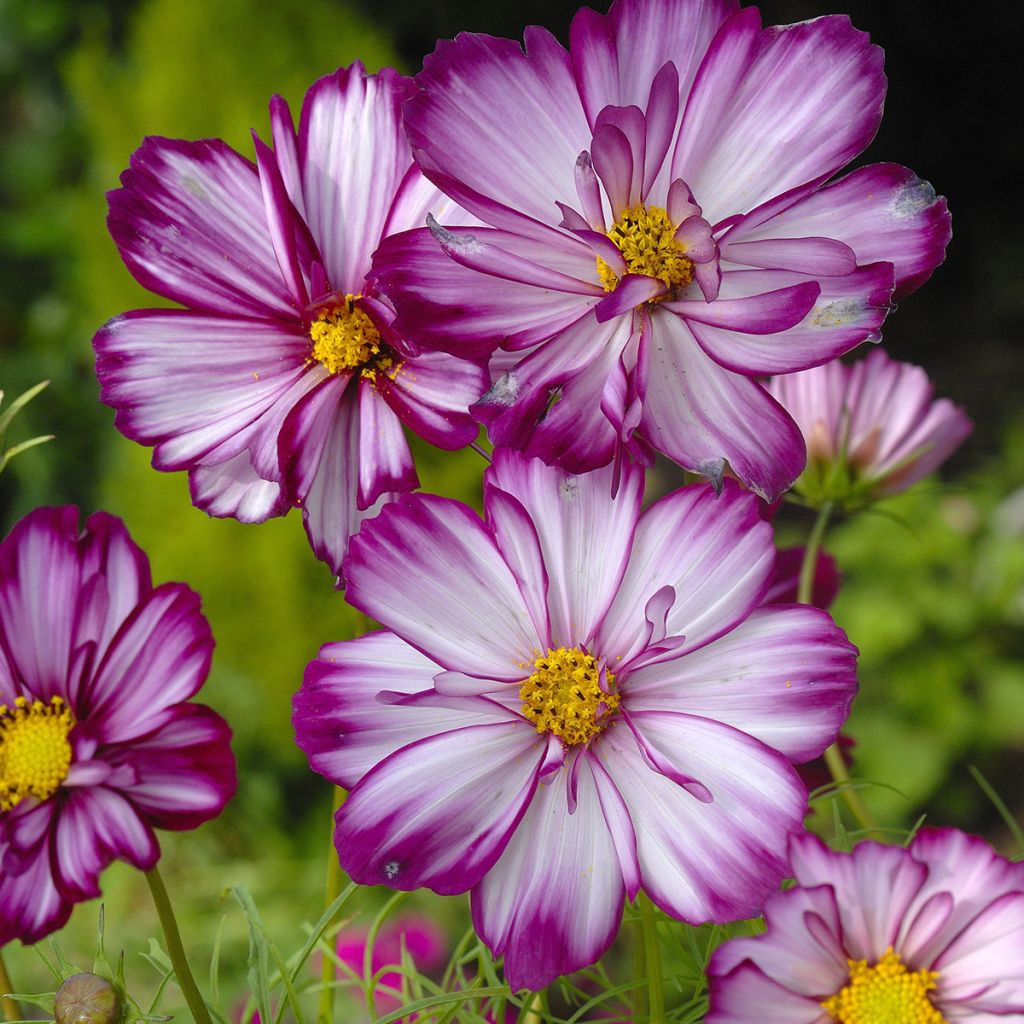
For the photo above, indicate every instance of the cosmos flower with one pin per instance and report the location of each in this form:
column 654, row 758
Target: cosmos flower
column 572, row 700
column 921, row 935
column 871, row 427
column 283, row 382
column 98, row 741
column 660, row 228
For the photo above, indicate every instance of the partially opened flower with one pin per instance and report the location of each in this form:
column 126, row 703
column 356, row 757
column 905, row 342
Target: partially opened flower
column 573, row 700
column 871, row 427
column 98, row 741
column 883, row 935
column 658, row 228
column 283, row 382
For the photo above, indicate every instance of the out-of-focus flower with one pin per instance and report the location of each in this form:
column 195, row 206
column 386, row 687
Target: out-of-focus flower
column 578, row 700
column 98, row 741
column 283, row 381
column 421, row 938
column 658, row 228
column 883, row 935
column 871, row 427
column 786, row 580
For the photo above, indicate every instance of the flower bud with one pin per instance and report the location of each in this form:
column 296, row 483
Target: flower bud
column 86, row 999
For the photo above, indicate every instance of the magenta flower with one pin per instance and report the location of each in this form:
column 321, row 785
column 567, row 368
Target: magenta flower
column 98, row 742
column 871, row 427
column 284, row 381
column 420, row 937
column 658, row 228
column 922, row 935
column 572, row 700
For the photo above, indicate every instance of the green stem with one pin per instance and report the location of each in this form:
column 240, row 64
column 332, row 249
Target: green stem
column 175, row 949
column 12, row 1011
column 805, row 595
column 332, row 888
column 641, row 1001
column 652, row 954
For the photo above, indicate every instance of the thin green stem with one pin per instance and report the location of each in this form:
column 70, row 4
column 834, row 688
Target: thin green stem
column 805, row 589
column 332, row 888
column 641, row 996
column 12, row 1011
column 805, row 595
column 175, row 949
column 652, row 954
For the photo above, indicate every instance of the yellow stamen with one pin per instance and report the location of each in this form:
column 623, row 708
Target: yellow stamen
column 646, row 238
column 35, row 754
column 564, row 696
column 346, row 339
column 885, row 994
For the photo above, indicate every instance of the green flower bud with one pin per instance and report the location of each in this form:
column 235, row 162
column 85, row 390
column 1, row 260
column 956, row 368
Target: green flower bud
column 86, row 999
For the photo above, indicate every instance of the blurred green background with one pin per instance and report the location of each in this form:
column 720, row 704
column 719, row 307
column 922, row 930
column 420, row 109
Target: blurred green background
column 934, row 589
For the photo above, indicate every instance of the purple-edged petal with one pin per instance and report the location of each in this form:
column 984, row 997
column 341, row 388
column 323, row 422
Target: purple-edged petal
column 883, row 212
column 431, row 395
column 33, row 907
column 232, row 488
column 347, row 201
column 190, row 384
column 618, row 56
column 786, row 676
column 700, row 861
column 699, row 413
column 445, row 305
column 734, row 995
column 439, row 812
column 515, row 907
column 385, row 462
column 116, row 572
column 342, row 727
column 93, row 828
column 585, row 538
column 479, row 98
column 632, row 291
column 874, row 889
column 190, row 224
column 817, row 257
column 428, row 568
column 39, row 592
column 847, row 310
column 184, row 773
column 767, row 313
column 714, row 551
column 160, row 657
column 772, row 109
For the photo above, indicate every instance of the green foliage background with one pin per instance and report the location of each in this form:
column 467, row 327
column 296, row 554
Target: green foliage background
column 933, row 592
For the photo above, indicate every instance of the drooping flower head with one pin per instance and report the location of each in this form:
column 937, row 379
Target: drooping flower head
column 871, row 427
column 572, row 700
column 283, row 381
column 659, row 228
column 99, row 743
column 884, row 935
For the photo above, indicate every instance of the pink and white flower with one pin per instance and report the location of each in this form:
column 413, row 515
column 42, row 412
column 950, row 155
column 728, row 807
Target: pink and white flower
column 871, row 427
column 930, row 933
column 283, row 382
column 660, row 228
column 572, row 700
column 99, row 743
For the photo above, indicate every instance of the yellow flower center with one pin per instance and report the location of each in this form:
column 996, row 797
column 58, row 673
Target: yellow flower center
column 35, row 754
column 564, row 696
column 646, row 238
column 346, row 339
column 885, row 994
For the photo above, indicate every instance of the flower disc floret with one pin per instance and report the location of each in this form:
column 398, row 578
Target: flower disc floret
column 570, row 694
column 885, row 992
column 35, row 753
column 344, row 339
column 645, row 235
